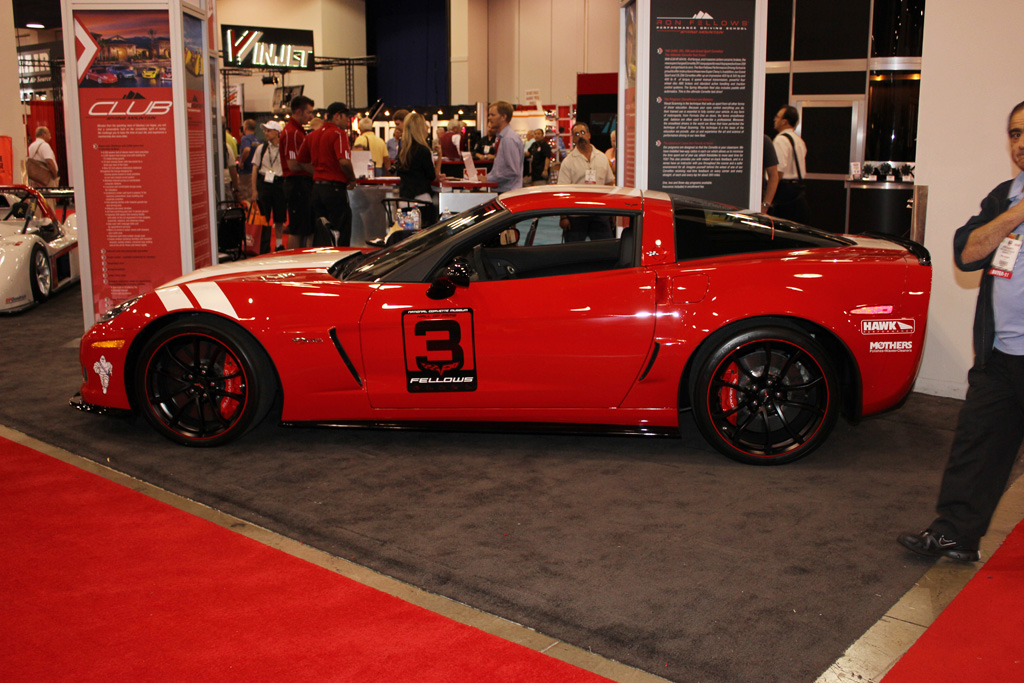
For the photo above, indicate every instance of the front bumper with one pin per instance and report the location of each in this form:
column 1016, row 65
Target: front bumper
column 77, row 403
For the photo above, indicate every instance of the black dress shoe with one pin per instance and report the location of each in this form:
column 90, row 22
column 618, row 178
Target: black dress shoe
column 932, row 544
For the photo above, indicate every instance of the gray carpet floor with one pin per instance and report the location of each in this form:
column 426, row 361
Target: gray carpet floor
column 656, row 552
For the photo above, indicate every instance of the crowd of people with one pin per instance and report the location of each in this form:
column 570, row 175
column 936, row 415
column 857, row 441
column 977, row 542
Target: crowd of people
column 300, row 174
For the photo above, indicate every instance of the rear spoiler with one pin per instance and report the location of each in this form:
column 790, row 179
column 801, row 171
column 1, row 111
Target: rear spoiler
column 918, row 250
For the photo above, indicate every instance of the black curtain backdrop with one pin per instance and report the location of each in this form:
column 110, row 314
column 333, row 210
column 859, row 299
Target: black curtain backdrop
column 410, row 40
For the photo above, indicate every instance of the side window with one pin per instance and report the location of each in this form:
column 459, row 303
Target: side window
column 701, row 233
column 541, row 246
column 540, row 231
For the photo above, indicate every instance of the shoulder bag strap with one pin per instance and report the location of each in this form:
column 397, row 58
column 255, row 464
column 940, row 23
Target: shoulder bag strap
column 796, row 159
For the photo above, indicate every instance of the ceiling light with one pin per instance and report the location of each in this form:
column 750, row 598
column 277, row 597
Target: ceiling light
column 34, row 26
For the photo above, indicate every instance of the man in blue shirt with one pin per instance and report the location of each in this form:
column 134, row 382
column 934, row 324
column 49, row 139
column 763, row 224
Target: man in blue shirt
column 507, row 169
column 246, row 149
column 990, row 430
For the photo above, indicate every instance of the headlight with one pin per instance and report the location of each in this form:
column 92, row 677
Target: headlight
column 118, row 309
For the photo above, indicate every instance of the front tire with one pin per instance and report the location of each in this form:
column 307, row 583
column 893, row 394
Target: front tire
column 40, row 274
column 766, row 396
column 203, row 383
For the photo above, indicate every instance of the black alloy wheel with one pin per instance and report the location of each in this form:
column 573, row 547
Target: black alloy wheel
column 766, row 396
column 203, row 383
column 40, row 274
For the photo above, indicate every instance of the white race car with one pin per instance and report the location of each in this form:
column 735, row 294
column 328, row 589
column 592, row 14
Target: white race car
column 38, row 254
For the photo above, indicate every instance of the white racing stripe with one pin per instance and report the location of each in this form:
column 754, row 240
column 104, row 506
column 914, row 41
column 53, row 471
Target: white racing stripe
column 173, row 299
column 211, row 297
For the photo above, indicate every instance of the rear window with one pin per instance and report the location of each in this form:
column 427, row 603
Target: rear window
column 703, row 233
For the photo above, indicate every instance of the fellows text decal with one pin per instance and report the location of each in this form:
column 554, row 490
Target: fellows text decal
column 439, row 350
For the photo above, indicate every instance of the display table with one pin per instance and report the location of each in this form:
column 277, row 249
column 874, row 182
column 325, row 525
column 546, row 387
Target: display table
column 880, row 207
column 369, row 219
column 456, row 196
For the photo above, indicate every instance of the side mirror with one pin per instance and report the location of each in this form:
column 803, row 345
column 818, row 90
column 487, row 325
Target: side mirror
column 509, row 236
column 455, row 275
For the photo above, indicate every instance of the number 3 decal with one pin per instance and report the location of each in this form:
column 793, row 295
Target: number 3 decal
column 439, row 351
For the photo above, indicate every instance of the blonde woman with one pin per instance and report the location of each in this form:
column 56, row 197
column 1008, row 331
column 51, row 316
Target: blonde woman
column 416, row 169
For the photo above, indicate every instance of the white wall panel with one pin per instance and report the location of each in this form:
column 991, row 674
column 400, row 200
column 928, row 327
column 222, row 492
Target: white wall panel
column 343, row 34
column 566, row 51
column 602, row 36
column 11, row 123
column 535, row 63
column 962, row 153
column 468, row 47
column 503, row 50
column 543, row 44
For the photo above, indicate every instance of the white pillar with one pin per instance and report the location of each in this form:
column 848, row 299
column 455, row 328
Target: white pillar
column 11, row 114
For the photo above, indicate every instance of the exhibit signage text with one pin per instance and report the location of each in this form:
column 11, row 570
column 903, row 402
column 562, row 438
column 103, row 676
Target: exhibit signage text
column 268, row 48
column 702, row 99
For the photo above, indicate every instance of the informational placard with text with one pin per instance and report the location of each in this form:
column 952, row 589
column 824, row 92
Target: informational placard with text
column 701, row 98
column 128, row 148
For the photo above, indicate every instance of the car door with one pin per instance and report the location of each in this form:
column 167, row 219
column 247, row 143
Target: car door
column 561, row 341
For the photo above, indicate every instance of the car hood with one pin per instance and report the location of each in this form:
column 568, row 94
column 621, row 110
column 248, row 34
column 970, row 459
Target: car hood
column 300, row 261
column 11, row 230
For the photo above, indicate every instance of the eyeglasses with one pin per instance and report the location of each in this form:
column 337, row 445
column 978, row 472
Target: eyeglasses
column 579, row 133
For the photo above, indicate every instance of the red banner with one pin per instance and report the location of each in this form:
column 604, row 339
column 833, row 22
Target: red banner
column 6, row 160
column 128, row 152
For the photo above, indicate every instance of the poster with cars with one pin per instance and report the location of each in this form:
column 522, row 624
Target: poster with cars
column 702, row 98
column 123, row 64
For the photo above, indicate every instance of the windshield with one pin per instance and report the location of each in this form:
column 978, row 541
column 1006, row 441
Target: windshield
column 377, row 264
column 19, row 206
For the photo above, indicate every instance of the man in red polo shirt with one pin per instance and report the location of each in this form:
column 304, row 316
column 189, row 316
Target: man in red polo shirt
column 326, row 151
column 298, row 182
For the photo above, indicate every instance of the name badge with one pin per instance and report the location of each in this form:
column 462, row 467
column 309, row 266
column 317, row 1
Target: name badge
column 1005, row 257
column 590, row 178
column 268, row 176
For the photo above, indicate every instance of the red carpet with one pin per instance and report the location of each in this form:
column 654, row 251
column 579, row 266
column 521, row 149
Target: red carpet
column 101, row 583
column 980, row 636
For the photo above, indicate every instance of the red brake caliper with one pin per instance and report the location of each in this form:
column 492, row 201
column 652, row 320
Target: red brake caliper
column 232, row 385
column 727, row 395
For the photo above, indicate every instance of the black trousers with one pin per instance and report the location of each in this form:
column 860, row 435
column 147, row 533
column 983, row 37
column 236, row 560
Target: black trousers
column 297, row 190
column 989, row 434
column 791, row 202
column 330, row 201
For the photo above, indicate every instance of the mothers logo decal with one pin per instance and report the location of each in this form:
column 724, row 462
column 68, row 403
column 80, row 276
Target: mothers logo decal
column 898, row 346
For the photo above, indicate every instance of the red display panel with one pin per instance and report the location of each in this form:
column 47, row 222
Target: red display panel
column 128, row 152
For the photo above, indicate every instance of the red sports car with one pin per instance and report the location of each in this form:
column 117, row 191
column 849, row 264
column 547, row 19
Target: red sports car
column 764, row 330
column 100, row 75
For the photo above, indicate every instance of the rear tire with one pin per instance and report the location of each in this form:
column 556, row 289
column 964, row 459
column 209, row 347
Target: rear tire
column 203, row 382
column 765, row 396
